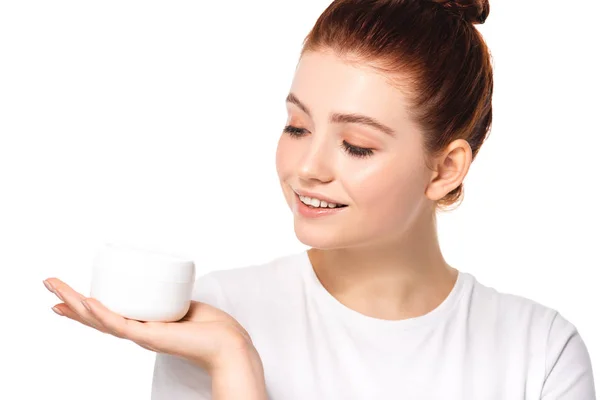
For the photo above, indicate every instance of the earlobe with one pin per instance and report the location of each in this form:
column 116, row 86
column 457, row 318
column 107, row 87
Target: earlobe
column 450, row 169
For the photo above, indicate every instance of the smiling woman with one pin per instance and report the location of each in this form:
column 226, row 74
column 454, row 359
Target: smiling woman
column 389, row 105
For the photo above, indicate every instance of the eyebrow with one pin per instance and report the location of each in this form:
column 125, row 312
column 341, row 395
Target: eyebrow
column 345, row 118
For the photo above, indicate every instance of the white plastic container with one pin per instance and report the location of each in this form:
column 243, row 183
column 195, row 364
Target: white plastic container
column 141, row 284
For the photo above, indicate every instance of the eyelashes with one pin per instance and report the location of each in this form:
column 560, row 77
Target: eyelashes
column 355, row 151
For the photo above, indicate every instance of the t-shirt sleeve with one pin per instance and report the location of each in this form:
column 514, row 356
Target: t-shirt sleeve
column 175, row 377
column 568, row 366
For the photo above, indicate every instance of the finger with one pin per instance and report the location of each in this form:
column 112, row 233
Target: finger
column 66, row 311
column 72, row 299
column 122, row 327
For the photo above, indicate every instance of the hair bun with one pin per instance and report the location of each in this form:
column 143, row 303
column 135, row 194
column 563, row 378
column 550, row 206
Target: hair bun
column 472, row 11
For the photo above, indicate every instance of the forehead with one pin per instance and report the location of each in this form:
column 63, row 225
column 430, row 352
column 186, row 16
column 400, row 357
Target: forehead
column 326, row 83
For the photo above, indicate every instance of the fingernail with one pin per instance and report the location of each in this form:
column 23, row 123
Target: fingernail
column 56, row 310
column 86, row 305
column 49, row 286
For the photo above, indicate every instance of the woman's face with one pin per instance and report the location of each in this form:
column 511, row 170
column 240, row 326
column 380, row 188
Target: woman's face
column 333, row 151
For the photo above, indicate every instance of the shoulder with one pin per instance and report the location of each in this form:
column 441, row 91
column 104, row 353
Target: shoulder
column 508, row 308
column 519, row 315
column 538, row 330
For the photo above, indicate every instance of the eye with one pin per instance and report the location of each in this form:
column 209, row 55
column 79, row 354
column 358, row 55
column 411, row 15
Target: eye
column 354, row 151
column 293, row 131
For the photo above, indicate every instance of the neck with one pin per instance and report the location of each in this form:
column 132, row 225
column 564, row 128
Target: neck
column 400, row 278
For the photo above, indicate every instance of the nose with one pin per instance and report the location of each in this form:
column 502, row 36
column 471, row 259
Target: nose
column 316, row 162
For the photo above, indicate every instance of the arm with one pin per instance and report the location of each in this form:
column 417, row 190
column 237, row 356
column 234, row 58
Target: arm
column 241, row 378
column 568, row 366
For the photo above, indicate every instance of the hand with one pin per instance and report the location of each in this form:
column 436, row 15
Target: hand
column 207, row 336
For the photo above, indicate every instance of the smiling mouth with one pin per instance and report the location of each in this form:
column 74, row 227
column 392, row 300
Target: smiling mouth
column 312, row 202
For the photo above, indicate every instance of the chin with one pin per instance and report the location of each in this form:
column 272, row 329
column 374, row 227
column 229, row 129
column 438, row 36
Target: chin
column 323, row 237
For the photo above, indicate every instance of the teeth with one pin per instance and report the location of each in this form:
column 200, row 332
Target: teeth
column 317, row 203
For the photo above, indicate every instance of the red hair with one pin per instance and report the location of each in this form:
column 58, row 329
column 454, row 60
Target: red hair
column 434, row 44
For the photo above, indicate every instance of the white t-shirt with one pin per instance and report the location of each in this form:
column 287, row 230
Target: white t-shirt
column 478, row 344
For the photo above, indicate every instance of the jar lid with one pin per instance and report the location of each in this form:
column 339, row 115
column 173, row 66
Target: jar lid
column 136, row 262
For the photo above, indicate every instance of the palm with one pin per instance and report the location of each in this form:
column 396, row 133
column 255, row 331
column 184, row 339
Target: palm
column 202, row 334
column 205, row 327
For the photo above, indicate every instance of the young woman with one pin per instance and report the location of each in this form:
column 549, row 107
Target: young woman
column 389, row 105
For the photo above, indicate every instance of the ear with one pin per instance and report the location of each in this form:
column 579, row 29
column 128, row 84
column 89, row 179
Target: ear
column 449, row 169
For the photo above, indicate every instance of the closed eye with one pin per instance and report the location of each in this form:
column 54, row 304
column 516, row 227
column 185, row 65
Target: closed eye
column 354, row 151
column 294, row 131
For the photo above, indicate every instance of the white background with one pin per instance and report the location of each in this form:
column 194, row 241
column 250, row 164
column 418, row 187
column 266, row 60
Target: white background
column 156, row 123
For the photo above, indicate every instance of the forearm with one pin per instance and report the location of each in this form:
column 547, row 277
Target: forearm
column 242, row 378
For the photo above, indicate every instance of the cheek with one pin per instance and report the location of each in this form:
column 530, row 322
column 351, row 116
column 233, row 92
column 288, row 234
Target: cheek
column 389, row 191
column 282, row 157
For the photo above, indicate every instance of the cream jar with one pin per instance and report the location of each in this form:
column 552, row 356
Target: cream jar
column 142, row 284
